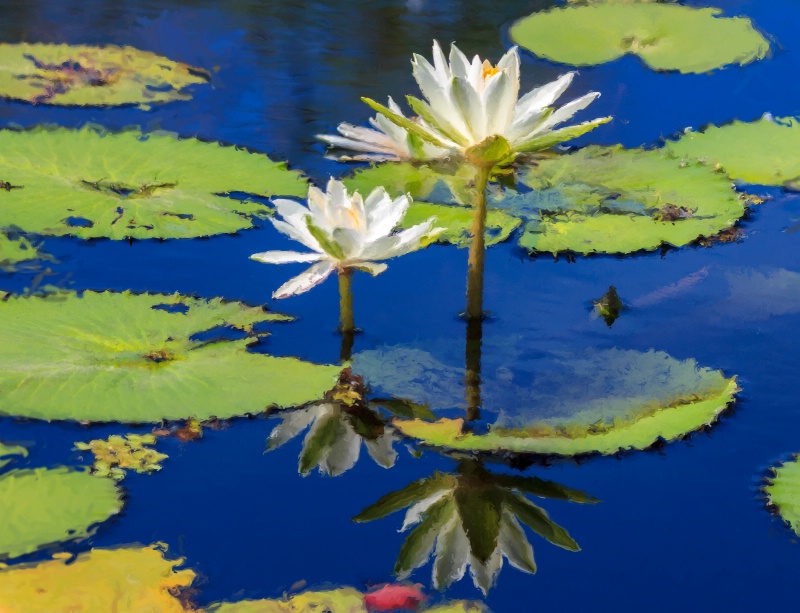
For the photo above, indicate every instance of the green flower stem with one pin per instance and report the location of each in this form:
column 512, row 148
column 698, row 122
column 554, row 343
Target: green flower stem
column 472, row 378
column 477, row 247
column 346, row 324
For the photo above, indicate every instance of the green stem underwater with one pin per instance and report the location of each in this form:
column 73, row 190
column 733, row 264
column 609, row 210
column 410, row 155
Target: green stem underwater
column 346, row 323
column 477, row 246
column 472, row 376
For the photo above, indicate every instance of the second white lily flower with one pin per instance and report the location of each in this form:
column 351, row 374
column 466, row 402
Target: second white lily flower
column 343, row 231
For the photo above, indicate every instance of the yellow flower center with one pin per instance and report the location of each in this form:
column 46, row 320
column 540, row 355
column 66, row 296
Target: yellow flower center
column 488, row 69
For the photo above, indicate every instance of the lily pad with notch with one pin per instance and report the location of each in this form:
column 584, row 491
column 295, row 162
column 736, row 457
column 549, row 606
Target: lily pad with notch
column 81, row 75
column 554, row 403
column 665, row 36
column 123, row 357
column 91, row 183
column 43, row 506
column 762, row 152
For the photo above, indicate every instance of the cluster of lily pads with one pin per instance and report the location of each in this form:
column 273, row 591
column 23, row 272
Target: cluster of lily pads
column 475, row 166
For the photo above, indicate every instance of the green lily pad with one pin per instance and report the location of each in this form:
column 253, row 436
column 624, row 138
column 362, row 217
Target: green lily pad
column 615, row 200
column 124, row 357
column 457, row 222
column 14, row 251
column 664, row 36
column 762, row 152
column 125, row 579
column 597, row 401
column 783, row 492
column 78, row 75
column 8, row 453
column 90, row 183
column 43, row 506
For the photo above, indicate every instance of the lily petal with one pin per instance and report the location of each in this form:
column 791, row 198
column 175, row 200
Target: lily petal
column 285, row 257
column 415, row 512
column 305, row 280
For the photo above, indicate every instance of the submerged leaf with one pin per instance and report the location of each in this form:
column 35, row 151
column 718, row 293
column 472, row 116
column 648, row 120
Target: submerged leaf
column 13, row 251
column 43, row 506
column 90, row 183
column 664, row 36
column 783, row 492
column 8, row 453
column 132, row 358
column 762, row 152
column 80, row 75
column 126, row 579
column 615, row 200
column 562, row 403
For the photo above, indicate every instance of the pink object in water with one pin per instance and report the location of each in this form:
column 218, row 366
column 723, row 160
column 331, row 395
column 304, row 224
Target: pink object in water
column 393, row 597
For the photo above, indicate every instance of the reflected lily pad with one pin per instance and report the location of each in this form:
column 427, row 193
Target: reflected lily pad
column 107, row 356
column 44, row 506
column 125, row 579
column 9, row 453
column 81, row 75
column 13, row 251
column 91, row 183
column 783, row 492
column 664, row 36
column 116, row 454
column 615, row 200
column 561, row 403
column 342, row 600
column 762, row 152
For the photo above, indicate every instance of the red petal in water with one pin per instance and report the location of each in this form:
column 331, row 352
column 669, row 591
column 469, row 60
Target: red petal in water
column 394, row 597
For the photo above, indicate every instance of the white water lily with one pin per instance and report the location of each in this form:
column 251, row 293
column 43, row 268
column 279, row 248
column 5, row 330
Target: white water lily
column 343, row 232
column 469, row 101
column 384, row 142
column 332, row 443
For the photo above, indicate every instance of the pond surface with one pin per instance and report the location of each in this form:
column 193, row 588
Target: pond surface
column 683, row 527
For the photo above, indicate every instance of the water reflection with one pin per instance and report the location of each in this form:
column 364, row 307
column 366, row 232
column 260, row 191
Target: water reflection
column 472, row 518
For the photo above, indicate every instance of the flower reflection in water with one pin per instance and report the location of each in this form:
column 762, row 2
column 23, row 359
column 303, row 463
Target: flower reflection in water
column 472, row 518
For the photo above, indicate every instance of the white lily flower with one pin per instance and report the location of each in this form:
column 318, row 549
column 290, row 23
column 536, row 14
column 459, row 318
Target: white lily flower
column 343, row 231
column 469, row 101
column 384, row 142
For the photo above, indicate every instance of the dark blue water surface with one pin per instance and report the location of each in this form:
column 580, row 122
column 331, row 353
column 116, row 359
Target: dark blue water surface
column 683, row 528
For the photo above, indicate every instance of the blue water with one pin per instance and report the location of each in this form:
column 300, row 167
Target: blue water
column 681, row 528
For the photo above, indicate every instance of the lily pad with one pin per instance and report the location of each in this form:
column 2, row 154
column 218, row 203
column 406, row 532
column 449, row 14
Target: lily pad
column 560, row 403
column 132, row 358
column 8, row 453
column 78, row 75
column 783, row 492
column 664, row 36
column 615, row 200
column 125, row 579
column 762, row 152
column 457, row 222
column 91, row 183
column 342, row 600
column 13, row 251
column 43, row 506
column 116, row 454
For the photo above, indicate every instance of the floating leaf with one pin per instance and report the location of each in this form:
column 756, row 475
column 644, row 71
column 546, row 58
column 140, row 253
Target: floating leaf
column 783, row 492
column 664, row 36
column 116, row 454
column 135, row 358
column 15, row 250
column 43, row 506
column 596, row 401
column 8, row 453
column 762, row 152
column 342, row 600
column 126, row 579
column 92, row 76
column 615, row 200
column 609, row 306
column 457, row 222
column 90, row 183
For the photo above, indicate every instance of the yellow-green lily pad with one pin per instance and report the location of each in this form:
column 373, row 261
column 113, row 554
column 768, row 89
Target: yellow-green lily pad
column 615, row 200
column 763, row 152
column 9, row 453
column 783, row 492
column 136, row 358
column 14, row 251
column 80, row 75
column 559, row 403
column 44, row 506
column 128, row 579
column 117, row 454
column 664, row 36
column 91, row 183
